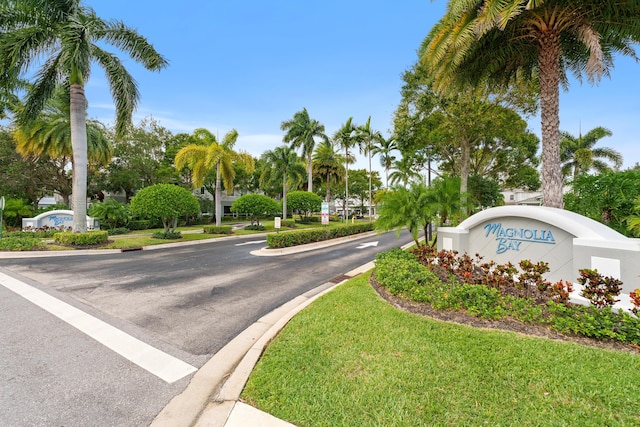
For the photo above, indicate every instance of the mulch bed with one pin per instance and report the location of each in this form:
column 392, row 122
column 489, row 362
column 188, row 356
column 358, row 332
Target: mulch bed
column 506, row 324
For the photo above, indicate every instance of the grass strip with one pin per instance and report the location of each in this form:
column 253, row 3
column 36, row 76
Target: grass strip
column 352, row 359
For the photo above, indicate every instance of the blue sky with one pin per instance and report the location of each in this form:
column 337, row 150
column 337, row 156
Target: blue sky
column 251, row 64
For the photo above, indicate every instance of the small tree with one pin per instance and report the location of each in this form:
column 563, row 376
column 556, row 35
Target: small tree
column 255, row 205
column 304, row 202
column 165, row 201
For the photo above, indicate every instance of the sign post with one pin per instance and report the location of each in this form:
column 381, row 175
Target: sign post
column 324, row 213
column 276, row 224
column 1, row 212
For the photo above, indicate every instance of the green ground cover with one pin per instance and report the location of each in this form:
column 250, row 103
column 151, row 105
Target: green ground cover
column 353, row 359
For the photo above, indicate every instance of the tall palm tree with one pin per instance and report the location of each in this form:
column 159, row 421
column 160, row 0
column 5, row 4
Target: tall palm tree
column 301, row 133
column 328, row 163
column 282, row 163
column 499, row 44
column 578, row 155
column 384, row 148
column 64, row 38
column 206, row 154
column 346, row 137
column 367, row 137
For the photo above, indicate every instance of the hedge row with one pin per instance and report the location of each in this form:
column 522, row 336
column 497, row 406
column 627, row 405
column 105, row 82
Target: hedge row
column 82, row 239
column 212, row 229
column 294, row 238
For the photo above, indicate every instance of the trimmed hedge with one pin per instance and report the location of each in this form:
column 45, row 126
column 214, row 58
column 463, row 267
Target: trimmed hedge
column 21, row 244
column 139, row 224
column 40, row 234
column 223, row 229
column 289, row 223
column 294, row 238
column 90, row 238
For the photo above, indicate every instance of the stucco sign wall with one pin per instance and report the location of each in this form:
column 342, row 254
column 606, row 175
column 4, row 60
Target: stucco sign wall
column 567, row 241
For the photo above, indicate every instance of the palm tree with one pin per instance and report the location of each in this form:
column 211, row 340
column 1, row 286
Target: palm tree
column 207, row 154
column 498, row 44
column 346, row 137
column 64, row 38
column 282, row 163
column 328, row 163
column 367, row 137
column 49, row 137
column 383, row 148
column 578, row 155
column 301, row 132
column 405, row 171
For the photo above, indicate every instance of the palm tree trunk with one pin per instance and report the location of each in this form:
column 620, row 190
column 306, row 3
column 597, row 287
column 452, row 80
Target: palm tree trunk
column 465, row 166
column 79, row 148
column 549, row 106
column 309, row 174
column 218, row 197
column 284, row 196
column 328, row 192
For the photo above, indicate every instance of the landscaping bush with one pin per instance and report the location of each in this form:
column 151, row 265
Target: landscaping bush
column 89, row 238
column 21, row 244
column 171, row 235
column 119, row 230
column 288, row 223
column 294, row 238
column 255, row 227
column 438, row 279
column 223, row 229
column 139, row 224
column 39, row 234
column 166, row 202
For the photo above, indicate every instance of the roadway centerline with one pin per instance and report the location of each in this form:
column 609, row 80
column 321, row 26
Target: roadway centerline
column 157, row 362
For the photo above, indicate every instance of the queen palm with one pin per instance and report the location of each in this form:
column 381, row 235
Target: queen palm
column 49, row 137
column 302, row 131
column 579, row 155
column 205, row 155
column 64, row 38
column 384, row 148
column 282, row 164
column 328, row 163
column 346, row 137
column 498, row 44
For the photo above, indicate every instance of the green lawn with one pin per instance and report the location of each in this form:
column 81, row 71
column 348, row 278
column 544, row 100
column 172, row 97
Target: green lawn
column 351, row 359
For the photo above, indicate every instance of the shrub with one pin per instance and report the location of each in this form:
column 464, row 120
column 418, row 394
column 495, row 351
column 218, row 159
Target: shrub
column 408, row 275
column 21, row 244
column 171, row 235
column 165, row 201
column 39, row 234
column 255, row 227
column 599, row 290
column 288, row 223
column 223, row 229
column 111, row 212
column 139, row 224
column 255, row 205
column 635, row 300
column 88, row 238
column 293, row 238
column 304, row 202
column 119, row 230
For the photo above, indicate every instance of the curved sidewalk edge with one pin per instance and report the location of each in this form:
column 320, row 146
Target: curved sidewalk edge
column 212, row 397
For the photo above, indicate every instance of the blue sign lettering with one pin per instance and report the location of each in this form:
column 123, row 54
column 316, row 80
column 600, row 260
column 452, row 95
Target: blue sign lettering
column 510, row 238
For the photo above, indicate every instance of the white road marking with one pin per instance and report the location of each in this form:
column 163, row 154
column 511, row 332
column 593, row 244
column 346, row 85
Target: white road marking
column 367, row 245
column 253, row 242
column 159, row 363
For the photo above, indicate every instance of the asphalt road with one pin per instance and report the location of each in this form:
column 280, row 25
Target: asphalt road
column 186, row 301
